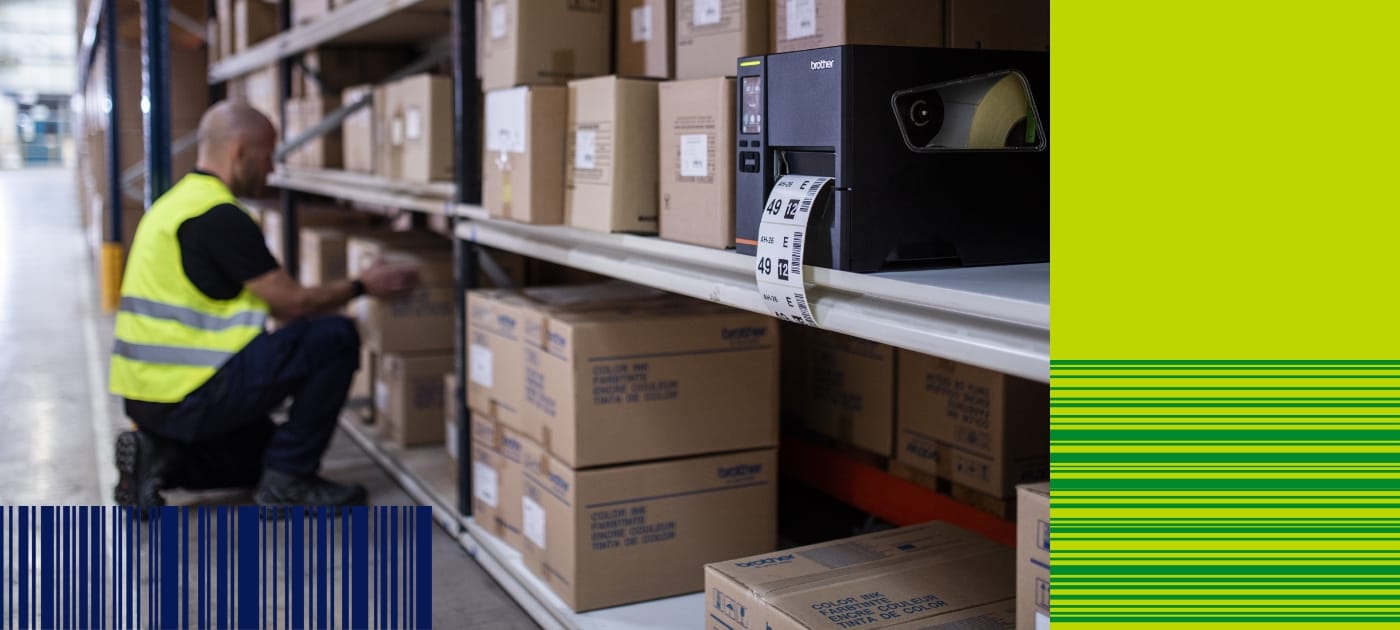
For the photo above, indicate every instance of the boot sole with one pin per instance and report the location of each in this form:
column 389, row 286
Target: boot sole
column 128, row 457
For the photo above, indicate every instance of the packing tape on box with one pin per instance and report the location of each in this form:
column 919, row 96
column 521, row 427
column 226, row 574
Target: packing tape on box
column 780, row 245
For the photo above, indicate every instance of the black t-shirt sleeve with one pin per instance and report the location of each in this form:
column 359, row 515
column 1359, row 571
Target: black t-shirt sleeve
column 222, row 249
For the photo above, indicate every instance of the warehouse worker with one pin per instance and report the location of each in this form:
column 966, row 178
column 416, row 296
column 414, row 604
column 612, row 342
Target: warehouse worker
column 198, row 373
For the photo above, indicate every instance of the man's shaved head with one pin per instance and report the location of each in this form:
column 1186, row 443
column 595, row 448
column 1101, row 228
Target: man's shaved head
column 236, row 143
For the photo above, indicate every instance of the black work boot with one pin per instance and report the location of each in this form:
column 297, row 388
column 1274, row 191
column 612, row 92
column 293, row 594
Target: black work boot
column 280, row 490
column 144, row 461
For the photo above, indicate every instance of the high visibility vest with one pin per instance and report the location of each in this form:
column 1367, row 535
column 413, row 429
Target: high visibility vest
column 170, row 336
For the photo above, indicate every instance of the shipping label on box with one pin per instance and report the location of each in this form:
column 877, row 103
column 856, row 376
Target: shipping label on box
column 660, row 520
column 933, row 575
column 1033, row 556
column 636, row 383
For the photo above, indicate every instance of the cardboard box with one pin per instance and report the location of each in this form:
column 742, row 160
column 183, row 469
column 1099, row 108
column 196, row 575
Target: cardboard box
column 625, row 534
column 697, row 161
column 421, row 321
column 999, row 24
column 1033, row 556
column 610, row 160
column 253, row 21
column 850, row 390
column 323, row 151
column 322, row 256
column 408, row 396
column 643, row 38
column 711, row 35
column 535, row 42
column 304, row 11
column 807, row 24
column 495, row 360
column 984, row 430
column 646, row 381
column 522, row 171
column 418, row 115
column 932, row 575
column 309, row 215
column 357, row 133
column 330, row 70
column 498, row 479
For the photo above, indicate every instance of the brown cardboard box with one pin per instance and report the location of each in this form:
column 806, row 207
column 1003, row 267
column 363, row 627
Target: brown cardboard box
column 253, row 21
column 981, row 429
column 304, row 11
column 610, row 160
column 999, row 24
column 643, row 38
column 418, row 115
column 806, row 24
column 498, row 479
column 850, row 390
column 408, row 395
column 697, row 161
column 322, row 256
column 1033, row 556
column 711, row 35
column 535, row 42
column 323, row 151
column 522, row 168
column 649, row 381
column 924, row 576
column 357, row 133
column 495, row 360
column 309, row 215
column 625, row 534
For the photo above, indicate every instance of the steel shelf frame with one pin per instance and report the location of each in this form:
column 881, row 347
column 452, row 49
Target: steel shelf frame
column 433, row 198
column 340, row 22
column 993, row 317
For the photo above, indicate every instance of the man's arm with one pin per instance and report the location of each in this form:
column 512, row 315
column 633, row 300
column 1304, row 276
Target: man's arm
column 288, row 300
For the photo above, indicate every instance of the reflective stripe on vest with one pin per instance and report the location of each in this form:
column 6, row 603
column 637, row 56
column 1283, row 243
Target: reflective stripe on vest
column 170, row 336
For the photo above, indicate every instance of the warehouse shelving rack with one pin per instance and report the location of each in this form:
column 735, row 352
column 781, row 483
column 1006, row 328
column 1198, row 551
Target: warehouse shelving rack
column 994, row 317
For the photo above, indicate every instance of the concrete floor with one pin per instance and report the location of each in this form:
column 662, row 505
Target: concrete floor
column 57, row 420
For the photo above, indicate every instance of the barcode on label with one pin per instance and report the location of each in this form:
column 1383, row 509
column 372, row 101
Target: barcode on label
column 806, row 312
column 797, row 254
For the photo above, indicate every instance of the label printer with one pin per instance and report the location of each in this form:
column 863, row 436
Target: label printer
column 939, row 156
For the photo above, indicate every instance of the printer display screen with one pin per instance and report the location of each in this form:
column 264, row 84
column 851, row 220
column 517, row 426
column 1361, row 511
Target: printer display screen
column 753, row 105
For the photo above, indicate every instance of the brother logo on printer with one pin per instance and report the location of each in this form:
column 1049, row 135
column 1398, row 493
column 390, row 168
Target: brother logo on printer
column 742, row 470
column 762, row 562
column 823, row 64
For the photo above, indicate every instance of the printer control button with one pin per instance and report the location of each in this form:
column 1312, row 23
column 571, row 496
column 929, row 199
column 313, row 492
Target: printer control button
column 748, row 161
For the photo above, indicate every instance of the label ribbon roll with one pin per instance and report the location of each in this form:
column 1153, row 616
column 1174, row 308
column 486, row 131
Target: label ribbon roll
column 780, row 245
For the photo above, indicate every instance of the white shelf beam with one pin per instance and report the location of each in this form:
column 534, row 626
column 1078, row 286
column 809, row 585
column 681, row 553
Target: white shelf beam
column 358, row 22
column 434, row 198
column 994, row 317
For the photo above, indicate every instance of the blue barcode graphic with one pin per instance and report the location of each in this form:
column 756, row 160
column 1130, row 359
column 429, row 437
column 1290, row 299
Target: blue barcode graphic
column 215, row 567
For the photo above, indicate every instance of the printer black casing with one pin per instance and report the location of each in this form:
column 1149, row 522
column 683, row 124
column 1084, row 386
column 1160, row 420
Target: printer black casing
column 828, row 111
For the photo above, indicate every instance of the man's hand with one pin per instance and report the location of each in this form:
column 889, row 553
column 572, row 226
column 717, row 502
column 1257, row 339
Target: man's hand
column 388, row 280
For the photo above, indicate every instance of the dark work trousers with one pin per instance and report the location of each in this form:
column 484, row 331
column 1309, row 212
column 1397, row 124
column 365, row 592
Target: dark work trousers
column 224, row 429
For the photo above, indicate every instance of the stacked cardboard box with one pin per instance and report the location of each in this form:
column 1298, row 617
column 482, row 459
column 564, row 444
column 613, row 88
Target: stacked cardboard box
column 322, row 151
column 846, row 389
column 415, row 122
column 933, row 575
column 712, row 34
column 1033, row 556
column 697, row 161
column 611, row 155
column 611, row 391
column 643, row 39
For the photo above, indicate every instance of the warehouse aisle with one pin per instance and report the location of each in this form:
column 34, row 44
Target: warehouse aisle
column 57, row 420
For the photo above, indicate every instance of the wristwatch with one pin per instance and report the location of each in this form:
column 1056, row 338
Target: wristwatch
column 357, row 288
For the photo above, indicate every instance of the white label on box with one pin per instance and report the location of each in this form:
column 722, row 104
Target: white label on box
column 778, row 262
column 413, row 123
column 641, row 24
column 801, row 18
column 706, row 12
column 396, row 131
column 484, row 483
column 480, row 367
column 695, row 155
column 381, row 396
column 498, row 20
column 533, row 521
column 1042, row 621
column 586, row 149
column 505, row 120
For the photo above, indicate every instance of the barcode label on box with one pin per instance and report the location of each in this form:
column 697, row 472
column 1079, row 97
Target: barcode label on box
column 641, row 24
column 706, row 12
column 498, row 20
column 480, row 365
column 801, row 18
column 484, row 483
column 695, row 155
column 532, row 521
column 586, row 149
column 413, row 123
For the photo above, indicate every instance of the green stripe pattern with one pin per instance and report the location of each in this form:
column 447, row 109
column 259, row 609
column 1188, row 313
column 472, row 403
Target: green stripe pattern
column 1214, row 492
